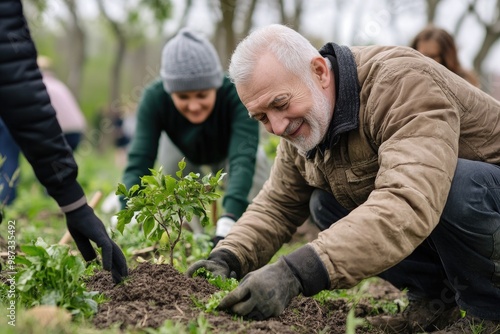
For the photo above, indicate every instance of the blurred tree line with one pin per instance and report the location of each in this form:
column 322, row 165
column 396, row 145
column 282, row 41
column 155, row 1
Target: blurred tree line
column 109, row 58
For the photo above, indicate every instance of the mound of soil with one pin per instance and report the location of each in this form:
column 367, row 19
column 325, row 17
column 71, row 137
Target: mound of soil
column 154, row 293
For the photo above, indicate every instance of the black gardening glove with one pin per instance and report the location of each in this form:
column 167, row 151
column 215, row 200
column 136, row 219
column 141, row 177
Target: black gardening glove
column 85, row 226
column 263, row 293
column 267, row 291
column 220, row 263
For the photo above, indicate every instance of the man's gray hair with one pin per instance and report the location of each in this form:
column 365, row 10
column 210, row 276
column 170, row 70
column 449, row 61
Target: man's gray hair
column 291, row 49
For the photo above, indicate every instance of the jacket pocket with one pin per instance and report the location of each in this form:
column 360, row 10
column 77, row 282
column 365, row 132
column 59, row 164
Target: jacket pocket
column 364, row 171
column 361, row 179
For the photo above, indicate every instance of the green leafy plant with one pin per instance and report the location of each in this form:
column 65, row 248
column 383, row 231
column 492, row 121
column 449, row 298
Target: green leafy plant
column 50, row 275
column 352, row 322
column 195, row 326
column 226, row 285
column 162, row 202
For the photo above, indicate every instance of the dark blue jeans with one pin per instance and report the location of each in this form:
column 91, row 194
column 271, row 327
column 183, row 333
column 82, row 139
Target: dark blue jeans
column 460, row 261
column 10, row 154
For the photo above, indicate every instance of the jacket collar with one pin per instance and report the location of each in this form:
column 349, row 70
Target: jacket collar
column 346, row 110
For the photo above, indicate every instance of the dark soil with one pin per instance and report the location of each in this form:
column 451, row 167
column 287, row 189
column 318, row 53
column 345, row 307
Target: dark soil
column 154, row 293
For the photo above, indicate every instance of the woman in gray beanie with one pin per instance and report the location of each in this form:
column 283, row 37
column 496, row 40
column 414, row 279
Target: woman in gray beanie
column 201, row 117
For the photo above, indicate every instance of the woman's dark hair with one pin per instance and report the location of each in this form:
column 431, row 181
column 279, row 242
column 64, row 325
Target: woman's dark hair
column 447, row 50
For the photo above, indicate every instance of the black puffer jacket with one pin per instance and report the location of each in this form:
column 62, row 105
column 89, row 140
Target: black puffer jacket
column 26, row 110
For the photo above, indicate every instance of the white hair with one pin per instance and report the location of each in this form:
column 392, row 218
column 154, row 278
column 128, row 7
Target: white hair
column 291, row 49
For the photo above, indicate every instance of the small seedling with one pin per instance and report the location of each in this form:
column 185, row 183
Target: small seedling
column 162, row 202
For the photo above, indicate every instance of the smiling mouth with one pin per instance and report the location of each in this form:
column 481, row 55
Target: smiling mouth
column 295, row 131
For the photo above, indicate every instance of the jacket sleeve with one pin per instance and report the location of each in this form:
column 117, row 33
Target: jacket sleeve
column 242, row 157
column 26, row 110
column 273, row 216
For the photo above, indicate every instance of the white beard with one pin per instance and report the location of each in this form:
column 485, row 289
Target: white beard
column 318, row 119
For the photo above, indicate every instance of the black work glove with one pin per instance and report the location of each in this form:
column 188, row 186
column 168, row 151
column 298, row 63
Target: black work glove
column 267, row 291
column 220, row 263
column 85, row 226
column 263, row 293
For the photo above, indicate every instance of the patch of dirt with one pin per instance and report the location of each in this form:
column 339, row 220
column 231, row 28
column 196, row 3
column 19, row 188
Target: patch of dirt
column 154, row 293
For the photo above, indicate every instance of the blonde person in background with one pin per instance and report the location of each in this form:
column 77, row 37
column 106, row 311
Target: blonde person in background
column 68, row 112
column 438, row 44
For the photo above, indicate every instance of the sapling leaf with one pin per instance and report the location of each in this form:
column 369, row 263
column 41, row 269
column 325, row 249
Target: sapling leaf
column 121, row 190
column 148, row 225
column 124, row 217
column 133, row 190
column 204, row 221
column 149, row 180
column 181, row 165
column 169, row 184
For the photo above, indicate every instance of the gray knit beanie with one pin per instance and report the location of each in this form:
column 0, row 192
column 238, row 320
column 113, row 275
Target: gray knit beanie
column 189, row 62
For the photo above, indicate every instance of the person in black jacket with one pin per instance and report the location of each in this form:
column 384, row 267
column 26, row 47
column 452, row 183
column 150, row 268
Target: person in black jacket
column 26, row 110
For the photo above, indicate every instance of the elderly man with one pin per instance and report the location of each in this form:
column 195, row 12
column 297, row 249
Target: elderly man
column 396, row 158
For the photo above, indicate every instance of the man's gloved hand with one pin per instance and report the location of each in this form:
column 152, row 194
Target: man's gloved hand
column 85, row 226
column 217, row 268
column 266, row 292
column 263, row 293
column 220, row 263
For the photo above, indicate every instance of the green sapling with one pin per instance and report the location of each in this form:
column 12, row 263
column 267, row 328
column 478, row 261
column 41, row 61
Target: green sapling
column 162, row 202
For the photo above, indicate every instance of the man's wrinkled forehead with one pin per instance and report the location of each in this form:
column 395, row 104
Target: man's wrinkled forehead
column 266, row 82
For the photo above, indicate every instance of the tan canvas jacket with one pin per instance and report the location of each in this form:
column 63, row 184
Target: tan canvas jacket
column 394, row 170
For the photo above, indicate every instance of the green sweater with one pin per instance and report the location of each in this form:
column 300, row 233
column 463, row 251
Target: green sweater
column 228, row 133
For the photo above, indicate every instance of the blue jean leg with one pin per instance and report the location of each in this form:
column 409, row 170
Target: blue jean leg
column 324, row 209
column 467, row 238
column 10, row 152
column 421, row 272
column 73, row 139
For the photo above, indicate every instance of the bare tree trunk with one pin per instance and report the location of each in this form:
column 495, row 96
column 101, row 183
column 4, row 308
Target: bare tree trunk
column 183, row 20
column 492, row 35
column 292, row 21
column 431, row 10
column 226, row 35
column 471, row 8
column 489, row 40
column 77, row 52
column 248, row 18
column 228, row 15
column 118, row 61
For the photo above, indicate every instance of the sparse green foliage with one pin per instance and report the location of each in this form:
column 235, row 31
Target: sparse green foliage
column 226, row 285
column 162, row 202
column 50, row 275
column 352, row 322
column 211, row 304
column 200, row 326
